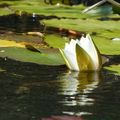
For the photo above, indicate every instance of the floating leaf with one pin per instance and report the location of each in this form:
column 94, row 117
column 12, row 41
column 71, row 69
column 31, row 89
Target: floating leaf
column 22, row 54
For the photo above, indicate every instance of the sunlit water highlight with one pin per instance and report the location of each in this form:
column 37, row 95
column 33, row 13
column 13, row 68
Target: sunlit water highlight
column 32, row 92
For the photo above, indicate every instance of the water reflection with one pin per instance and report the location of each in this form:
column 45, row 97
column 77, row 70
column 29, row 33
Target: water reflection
column 79, row 81
column 76, row 86
column 31, row 92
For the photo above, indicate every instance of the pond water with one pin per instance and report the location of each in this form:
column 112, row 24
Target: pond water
column 24, row 22
column 32, row 92
column 36, row 92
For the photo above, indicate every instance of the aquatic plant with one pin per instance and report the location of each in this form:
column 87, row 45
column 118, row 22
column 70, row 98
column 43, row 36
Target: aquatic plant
column 82, row 55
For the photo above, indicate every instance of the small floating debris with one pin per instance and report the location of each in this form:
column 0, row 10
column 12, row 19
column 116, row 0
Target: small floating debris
column 2, row 51
column 32, row 48
column 116, row 39
column 58, row 4
column 36, row 33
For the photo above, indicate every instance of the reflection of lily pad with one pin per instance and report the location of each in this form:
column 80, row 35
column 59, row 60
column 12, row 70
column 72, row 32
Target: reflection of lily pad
column 22, row 54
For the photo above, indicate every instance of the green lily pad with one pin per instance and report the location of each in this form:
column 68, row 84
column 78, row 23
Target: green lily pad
column 104, row 32
column 5, row 11
column 114, row 68
column 55, row 41
column 22, row 54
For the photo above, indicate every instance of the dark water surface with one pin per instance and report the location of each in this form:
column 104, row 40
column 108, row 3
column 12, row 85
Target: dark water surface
column 24, row 22
column 32, row 92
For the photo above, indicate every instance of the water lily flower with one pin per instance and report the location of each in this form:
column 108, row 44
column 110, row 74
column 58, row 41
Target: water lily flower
column 82, row 55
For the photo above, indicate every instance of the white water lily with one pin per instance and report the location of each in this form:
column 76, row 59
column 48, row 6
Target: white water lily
column 82, row 55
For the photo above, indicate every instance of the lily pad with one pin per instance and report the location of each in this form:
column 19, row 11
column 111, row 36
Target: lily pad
column 22, row 54
column 114, row 69
column 101, row 32
column 55, row 41
column 5, row 11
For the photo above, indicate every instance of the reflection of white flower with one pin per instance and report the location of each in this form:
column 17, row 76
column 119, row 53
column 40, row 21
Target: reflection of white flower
column 82, row 55
column 77, row 88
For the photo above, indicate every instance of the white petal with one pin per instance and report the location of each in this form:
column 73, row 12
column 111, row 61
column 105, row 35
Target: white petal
column 86, row 57
column 87, row 44
column 83, row 59
column 69, row 55
column 72, row 60
column 70, row 46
